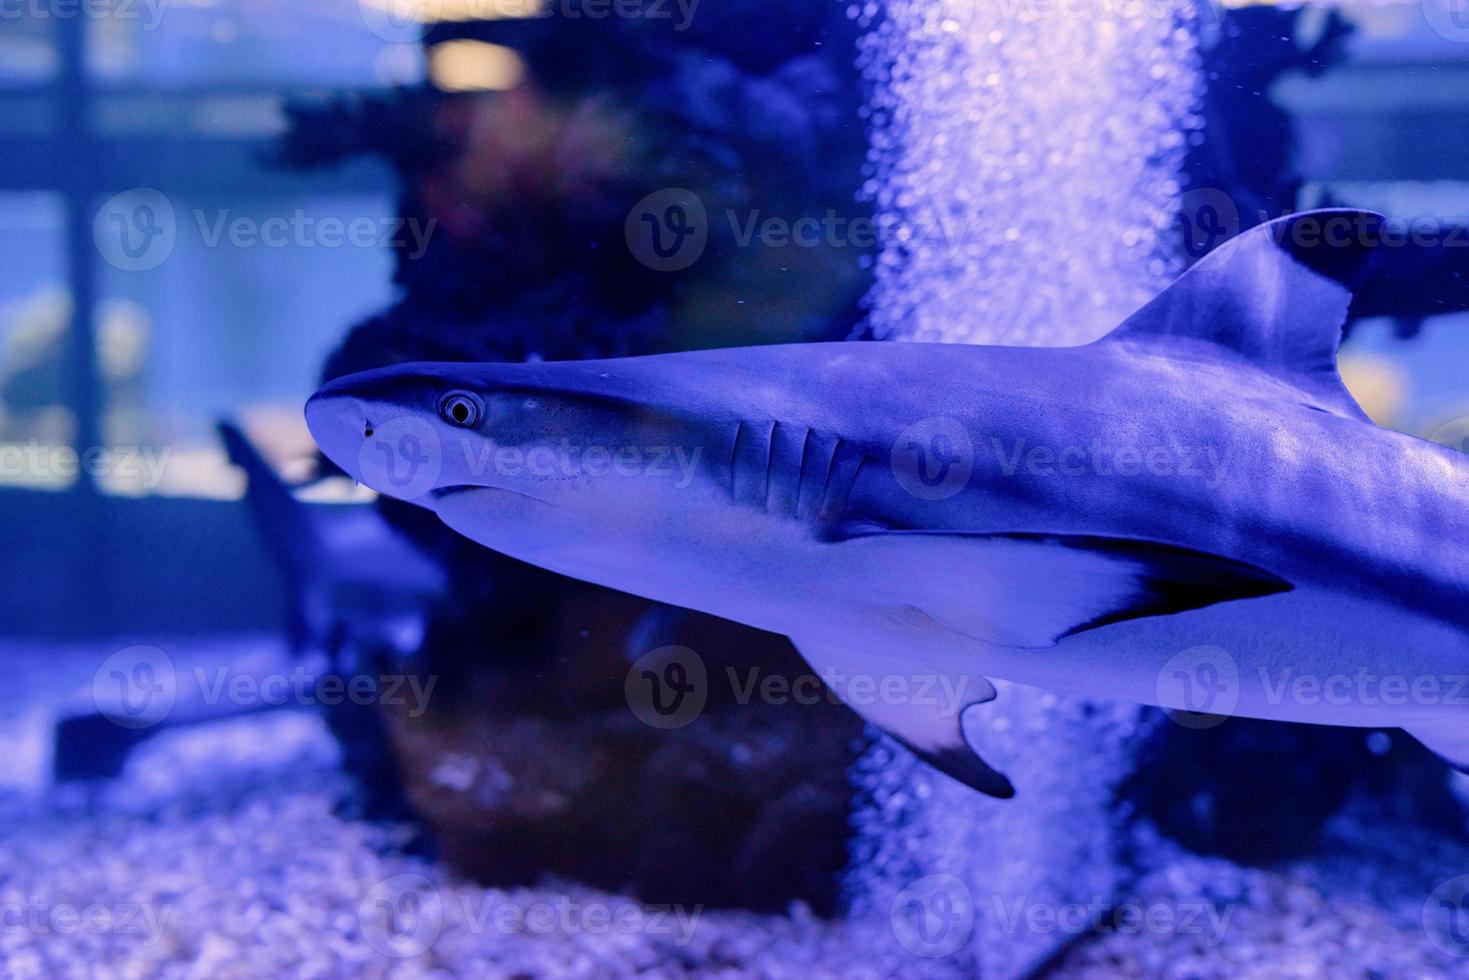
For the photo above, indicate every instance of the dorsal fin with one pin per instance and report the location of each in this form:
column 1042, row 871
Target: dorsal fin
column 1276, row 295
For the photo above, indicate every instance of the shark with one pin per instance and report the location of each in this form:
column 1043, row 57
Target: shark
column 1190, row 512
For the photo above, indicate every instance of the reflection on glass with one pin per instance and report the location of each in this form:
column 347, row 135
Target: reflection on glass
column 27, row 49
column 269, row 42
column 36, row 429
column 234, row 321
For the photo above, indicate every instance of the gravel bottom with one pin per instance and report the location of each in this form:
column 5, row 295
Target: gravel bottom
column 220, row 853
column 1364, row 906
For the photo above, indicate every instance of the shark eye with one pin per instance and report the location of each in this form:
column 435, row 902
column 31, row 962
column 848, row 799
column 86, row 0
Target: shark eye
column 459, row 408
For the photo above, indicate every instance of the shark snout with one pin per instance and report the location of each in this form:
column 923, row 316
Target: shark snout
column 378, row 441
column 339, row 424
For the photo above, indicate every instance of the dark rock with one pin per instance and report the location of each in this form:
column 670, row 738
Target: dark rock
column 544, row 769
column 1260, row 791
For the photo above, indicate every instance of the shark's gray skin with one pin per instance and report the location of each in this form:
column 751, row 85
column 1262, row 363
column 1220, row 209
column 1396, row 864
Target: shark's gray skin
column 1073, row 518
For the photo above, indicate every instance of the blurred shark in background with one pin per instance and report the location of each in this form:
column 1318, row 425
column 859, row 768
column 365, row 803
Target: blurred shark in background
column 1190, row 512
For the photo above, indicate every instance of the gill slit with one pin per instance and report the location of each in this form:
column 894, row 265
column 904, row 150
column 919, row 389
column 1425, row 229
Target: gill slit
column 734, row 455
column 769, row 462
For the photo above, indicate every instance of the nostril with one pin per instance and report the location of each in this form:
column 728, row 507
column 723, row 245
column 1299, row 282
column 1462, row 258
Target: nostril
column 367, row 432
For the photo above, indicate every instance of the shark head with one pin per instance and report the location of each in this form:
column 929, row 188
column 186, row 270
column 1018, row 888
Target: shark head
column 546, row 462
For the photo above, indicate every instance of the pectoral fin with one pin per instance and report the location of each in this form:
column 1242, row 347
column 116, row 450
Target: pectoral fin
column 1033, row 590
column 925, row 716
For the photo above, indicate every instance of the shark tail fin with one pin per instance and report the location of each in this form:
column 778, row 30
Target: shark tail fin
column 1276, row 295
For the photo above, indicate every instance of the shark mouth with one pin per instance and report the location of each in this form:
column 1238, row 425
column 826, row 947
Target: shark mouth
column 464, row 492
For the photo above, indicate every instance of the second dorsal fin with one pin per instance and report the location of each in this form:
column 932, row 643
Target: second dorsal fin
column 1276, row 295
